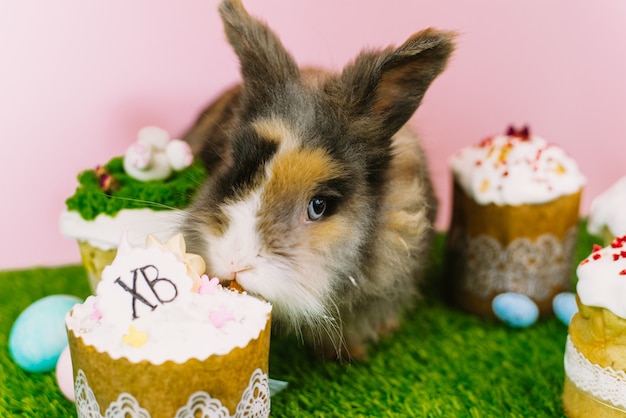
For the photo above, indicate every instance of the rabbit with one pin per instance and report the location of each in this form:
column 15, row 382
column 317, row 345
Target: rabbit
column 319, row 198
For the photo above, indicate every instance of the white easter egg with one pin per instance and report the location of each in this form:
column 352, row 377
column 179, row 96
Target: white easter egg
column 153, row 136
column 38, row 335
column 179, row 154
column 65, row 374
column 138, row 155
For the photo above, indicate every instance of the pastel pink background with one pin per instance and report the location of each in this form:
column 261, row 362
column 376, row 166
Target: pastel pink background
column 79, row 78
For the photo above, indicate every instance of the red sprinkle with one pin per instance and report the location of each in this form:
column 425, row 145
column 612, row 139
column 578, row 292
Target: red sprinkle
column 486, row 142
column 623, row 272
column 618, row 242
column 596, row 248
column 585, row 261
column 622, row 253
column 596, row 256
column 615, row 257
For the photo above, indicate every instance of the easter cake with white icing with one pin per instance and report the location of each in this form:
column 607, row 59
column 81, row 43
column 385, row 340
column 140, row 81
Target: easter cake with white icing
column 161, row 339
column 139, row 193
column 514, row 221
column 595, row 355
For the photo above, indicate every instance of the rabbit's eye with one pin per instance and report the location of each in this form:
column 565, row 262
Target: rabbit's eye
column 316, row 208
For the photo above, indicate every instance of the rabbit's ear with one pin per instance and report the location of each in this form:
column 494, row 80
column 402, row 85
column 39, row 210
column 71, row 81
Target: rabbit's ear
column 265, row 64
column 389, row 85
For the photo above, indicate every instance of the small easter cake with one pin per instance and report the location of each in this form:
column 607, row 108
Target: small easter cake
column 140, row 193
column 161, row 339
column 595, row 354
column 607, row 217
column 514, row 222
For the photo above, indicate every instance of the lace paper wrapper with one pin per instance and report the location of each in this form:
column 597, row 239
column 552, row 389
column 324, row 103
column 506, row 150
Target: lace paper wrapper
column 255, row 402
column 235, row 384
column 530, row 267
column 605, row 384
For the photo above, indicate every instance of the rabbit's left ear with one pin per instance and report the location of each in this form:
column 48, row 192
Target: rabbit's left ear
column 389, row 85
column 265, row 64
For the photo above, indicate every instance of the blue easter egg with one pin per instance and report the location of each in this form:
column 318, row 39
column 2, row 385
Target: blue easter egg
column 38, row 335
column 515, row 310
column 564, row 306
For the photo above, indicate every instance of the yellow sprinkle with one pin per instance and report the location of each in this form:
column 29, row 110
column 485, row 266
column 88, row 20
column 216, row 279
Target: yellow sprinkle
column 504, row 153
column 484, row 186
column 135, row 338
column 560, row 169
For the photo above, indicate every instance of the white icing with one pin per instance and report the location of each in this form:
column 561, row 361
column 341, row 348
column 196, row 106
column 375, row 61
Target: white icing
column 508, row 170
column 105, row 231
column 609, row 210
column 177, row 325
column 600, row 283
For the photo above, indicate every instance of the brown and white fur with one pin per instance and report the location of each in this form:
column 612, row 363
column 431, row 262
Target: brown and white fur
column 318, row 198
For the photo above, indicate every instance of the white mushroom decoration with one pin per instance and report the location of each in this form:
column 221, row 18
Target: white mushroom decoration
column 155, row 156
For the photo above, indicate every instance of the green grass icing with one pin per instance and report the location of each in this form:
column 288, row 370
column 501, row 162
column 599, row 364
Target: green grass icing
column 176, row 192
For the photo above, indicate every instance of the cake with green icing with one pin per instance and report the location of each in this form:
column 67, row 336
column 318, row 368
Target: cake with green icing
column 140, row 193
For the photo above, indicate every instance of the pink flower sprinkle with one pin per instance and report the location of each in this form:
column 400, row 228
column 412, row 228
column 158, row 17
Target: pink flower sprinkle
column 96, row 315
column 220, row 316
column 208, row 286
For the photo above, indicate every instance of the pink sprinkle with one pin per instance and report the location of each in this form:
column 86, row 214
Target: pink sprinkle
column 219, row 317
column 96, row 315
column 208, row 286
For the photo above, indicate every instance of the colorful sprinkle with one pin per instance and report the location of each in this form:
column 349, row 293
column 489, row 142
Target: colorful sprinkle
column 618, row 242
column 484, row 186
column 208, row 286
column 220, row 316
column 135, row 338
column 96, row 315
column 523, row 134
column 559, row 169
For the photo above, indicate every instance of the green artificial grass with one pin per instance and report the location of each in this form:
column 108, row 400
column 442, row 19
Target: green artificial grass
column 441, row 363
column 90, row 200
